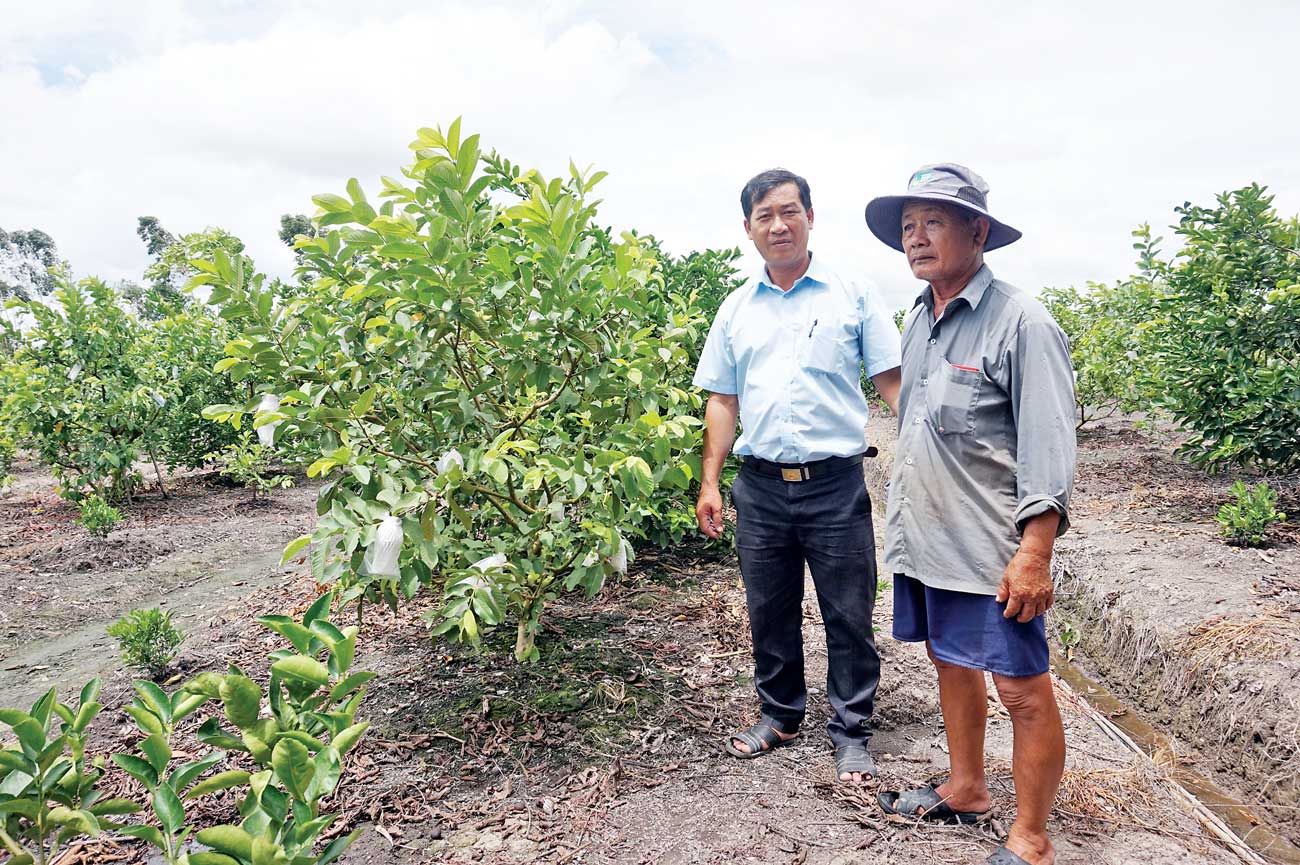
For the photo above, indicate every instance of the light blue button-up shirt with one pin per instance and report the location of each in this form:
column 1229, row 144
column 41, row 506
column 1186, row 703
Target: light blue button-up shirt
column 795, row 358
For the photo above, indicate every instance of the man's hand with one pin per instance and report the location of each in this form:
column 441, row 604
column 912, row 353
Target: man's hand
column 1027, row 586
column 708, row 511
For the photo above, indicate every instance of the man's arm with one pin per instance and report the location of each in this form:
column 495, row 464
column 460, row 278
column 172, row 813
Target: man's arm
column 888, row 384
column 720, row 414
column 1042, row 405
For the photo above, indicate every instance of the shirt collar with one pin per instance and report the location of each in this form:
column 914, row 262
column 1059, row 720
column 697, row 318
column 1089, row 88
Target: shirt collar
column 817, row 272
column 973, row 293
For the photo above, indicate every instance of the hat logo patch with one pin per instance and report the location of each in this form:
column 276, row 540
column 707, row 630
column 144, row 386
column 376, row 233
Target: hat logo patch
column 919, row 177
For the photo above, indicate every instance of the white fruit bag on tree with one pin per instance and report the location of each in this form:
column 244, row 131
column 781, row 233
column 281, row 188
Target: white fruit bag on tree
column 495, row 560
column 384, row 551
column 618, row 561
column 449, row 459
column 266, row 432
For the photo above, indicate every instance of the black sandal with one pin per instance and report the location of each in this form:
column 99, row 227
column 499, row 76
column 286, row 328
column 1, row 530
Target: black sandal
column 925, row 804
column 854, row 758
column 760, row 738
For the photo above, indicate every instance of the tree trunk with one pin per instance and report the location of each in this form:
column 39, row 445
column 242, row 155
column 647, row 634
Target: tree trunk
column 525, row 641
column 158, row 473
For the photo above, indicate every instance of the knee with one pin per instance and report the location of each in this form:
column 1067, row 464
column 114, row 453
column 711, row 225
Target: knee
column 1026, row 695
column 940, row 664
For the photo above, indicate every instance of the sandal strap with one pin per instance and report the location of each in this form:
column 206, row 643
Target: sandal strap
column 922, row 799
column 753, row 742
column 854, row 758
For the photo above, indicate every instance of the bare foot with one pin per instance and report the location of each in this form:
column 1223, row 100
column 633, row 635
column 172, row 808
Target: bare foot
column 1036, row 849
column 975, row 800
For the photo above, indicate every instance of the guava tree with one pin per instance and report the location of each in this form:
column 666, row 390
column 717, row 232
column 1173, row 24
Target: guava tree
column 484, row 367
column 77, row 398
column 89, row 388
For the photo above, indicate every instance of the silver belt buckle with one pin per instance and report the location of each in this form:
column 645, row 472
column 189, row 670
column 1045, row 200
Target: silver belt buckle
column 792, row 474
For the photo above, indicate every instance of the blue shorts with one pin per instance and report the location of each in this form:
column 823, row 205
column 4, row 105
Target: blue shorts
column 968, row 630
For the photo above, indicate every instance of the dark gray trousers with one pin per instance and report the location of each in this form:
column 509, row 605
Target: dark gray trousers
column 825, row 521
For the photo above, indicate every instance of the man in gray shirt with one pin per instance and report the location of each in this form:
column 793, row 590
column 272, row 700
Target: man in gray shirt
column 980, row 490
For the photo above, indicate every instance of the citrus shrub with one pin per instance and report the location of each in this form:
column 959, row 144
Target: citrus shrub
column 1225, row 339
column 1103, row 324
column 479, row 360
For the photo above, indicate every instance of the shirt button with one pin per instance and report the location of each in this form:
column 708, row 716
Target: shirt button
column 925, row 381
column 918, row 420
column 932, row 342
column 908, row 461
column 906, row 500
column 940, row 429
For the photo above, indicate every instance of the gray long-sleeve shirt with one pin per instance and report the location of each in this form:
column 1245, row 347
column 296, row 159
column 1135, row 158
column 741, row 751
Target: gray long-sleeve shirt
column 985, row 435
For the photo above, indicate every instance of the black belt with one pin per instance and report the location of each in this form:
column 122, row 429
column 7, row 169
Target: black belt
column 795, row 472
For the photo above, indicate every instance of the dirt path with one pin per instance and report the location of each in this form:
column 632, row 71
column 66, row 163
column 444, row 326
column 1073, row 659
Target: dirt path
column 193, row 554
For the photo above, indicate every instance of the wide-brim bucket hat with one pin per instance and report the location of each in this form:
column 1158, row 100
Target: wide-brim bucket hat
column 946, row 182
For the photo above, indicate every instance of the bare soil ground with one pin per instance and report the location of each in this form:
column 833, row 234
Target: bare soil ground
column 192, row 553
column 607, row 751
column 1202, row 637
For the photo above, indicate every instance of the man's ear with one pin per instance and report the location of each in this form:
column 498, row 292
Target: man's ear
column 982, row 227
column 810, row 217
column 748, row 233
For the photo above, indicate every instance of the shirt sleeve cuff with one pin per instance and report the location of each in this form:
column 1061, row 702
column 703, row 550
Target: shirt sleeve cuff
column 884, row 366
column 1032, row 506
column 714, row 385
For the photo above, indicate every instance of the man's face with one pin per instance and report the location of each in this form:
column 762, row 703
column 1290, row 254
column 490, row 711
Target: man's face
column 779, row 226
column 941, row 244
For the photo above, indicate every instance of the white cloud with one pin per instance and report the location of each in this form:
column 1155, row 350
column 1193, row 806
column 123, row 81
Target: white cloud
column 1085, row 120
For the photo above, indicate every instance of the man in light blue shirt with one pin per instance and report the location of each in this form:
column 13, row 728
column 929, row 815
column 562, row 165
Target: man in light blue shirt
column 785, row 356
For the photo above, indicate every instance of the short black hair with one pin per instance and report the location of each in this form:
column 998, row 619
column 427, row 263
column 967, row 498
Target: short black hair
column 761, row 184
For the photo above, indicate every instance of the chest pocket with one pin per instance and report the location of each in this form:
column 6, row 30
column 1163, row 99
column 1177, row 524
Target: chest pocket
column 829, row 350
column 950, row 398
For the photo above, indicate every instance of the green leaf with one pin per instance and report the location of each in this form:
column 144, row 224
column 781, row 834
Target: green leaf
column 231, row 840
column 157, row 751
column 325, row 775
column 346, row 740
column 155, row 700
column 148, row 834
column 292, row 763
column 303, row 669
column 337, row 848
column 13, row 761
column 332, row 203
column 137, row 768
column 348, row 685
column 242, row 699
column 170, row 811
column 114, row 807
column 267, row 852
column 80, row 822
column 294, row 547
column 208, row 857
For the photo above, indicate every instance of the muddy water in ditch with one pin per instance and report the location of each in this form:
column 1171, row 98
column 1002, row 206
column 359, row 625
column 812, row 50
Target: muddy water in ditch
column 1239, row 818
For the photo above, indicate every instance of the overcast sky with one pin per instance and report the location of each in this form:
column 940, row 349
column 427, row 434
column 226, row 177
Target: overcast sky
column 1085, row 118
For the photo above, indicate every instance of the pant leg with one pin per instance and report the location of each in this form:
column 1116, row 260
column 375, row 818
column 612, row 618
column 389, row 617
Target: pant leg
column 771, row 563
column 834, row 526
